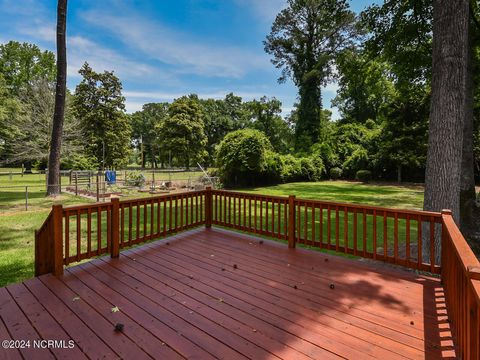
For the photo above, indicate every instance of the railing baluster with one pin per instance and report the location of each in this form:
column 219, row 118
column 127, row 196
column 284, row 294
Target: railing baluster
column 99, row 231
column 261, row 215
column 407, row 239
column 419, row 242
column 385, row 235
column 145, row 220
column 255, row 213
column 374, row 234
column 157, row 203
column 395, row 237
column 365, row 233
column 67, row 235
column 298, row 205
column 329, row 227
column 313, row 223
column 345, row 229
column 305, row 221
column 355, row 229
column 152, row 218
column 79, row 235
column 137, row 232
column 89, row 232
column 337, row 229
column 321, row 225
column 130, row 223
column 266, row 214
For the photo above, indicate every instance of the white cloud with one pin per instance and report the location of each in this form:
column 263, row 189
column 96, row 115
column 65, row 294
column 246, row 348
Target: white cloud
column 181, row 51
column 81, row 49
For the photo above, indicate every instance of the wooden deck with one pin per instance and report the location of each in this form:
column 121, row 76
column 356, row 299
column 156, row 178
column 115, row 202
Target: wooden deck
column 212, row 293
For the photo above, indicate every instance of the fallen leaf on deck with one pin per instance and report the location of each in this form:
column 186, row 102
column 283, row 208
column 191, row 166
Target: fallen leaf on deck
column 115, row 309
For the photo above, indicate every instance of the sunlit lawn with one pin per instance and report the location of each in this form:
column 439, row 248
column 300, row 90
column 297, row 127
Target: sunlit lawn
column 17, row 227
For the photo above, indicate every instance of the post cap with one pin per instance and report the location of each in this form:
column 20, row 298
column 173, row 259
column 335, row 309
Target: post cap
column 447, row 212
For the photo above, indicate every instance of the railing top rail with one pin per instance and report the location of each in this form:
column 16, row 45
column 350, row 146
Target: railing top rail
column 463, row 250
column 163, row 196
column 435, row 215
column 86, row 206
column 251, row 195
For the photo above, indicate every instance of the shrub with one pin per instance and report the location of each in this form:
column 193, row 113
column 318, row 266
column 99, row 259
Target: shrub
column 363, row 175
column 335, row 173
column 241, row 157
column 135, row 179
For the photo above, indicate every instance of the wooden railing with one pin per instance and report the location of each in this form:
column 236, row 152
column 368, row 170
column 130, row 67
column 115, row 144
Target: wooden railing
column 86, row 231
column 461, row 282
column 390, row 235
column 75, row 233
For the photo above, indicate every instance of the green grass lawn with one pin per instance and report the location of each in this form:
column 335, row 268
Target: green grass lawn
column 17, row 227
column 392, row 196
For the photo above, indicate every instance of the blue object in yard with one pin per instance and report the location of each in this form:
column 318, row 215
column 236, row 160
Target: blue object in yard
column 110, row 177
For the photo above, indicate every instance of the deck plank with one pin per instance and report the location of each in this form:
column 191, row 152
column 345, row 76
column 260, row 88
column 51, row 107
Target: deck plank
column 279, row 308
column 206, row 294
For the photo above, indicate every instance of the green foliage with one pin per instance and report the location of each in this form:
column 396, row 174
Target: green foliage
column 23, row 64
column 264, row 115
column 100, row 106
column 304, row 39
column 402, row 35
column 78, row 161
column 365, row 87
column 335, row 173
column 363, row 175
column 241, row 157
column 220, row 117
column 145, row 124
column 135, row 178
column 182, row 132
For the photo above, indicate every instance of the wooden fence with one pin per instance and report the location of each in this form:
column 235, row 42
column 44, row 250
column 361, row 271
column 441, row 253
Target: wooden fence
column 404, row 237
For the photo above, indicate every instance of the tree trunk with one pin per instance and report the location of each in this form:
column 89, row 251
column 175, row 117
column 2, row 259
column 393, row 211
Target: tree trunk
column 447, row 109
column 468, row 226
column 53, row 184
column 399, row 173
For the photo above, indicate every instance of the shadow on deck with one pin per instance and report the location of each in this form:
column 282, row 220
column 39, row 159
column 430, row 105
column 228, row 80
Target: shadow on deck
column 213, row 293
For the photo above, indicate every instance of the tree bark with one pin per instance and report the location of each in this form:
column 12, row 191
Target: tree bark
column 447, row 109
column 469, row 227
column 53, row 184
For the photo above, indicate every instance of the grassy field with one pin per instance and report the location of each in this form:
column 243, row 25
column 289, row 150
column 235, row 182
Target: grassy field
column 17, row 227
column 393, row 196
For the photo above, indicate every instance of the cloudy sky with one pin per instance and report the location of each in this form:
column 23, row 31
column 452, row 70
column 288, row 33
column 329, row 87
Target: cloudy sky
column 163, row 49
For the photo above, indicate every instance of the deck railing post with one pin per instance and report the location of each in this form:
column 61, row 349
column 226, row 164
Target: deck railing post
column 291, row 222
column 115, row 230
column 208, row 207
column 445, row 212
column 56, row 241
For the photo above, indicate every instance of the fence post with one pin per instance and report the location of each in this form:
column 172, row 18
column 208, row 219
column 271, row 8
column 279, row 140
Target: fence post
column 208, row 207
column 56, row 241
column 291, row 222
column 115, row 231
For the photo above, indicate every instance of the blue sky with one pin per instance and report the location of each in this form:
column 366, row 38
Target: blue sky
column 164, row 49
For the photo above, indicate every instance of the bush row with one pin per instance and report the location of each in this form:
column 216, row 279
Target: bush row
column 246, row 158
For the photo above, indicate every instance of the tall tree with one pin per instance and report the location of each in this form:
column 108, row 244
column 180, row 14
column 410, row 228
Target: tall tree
column 100, row 106
column 304, row 39
column 182, row 132
column 447, row 110
column 22, row 64
column 144, row 131
column 53, row 181
column 469, row 212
